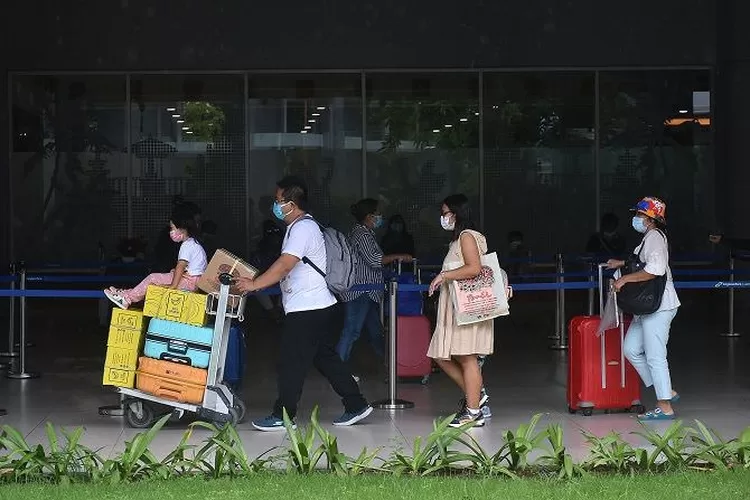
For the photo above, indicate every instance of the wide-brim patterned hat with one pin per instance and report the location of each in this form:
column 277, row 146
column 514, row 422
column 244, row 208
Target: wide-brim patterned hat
column 652, row 207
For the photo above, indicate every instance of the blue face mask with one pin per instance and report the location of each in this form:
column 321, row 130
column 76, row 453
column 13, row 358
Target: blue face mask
column 639, row 225
column 278, row 209
column 378, row 221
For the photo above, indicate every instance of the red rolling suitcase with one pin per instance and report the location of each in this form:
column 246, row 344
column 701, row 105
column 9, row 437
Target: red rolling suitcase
column 599, row 376
column 413, row 340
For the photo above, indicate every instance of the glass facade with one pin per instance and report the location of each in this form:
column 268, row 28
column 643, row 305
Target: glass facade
column 98, row 158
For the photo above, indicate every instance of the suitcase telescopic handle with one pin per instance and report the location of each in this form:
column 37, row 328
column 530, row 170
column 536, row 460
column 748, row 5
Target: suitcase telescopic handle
column 621, row 328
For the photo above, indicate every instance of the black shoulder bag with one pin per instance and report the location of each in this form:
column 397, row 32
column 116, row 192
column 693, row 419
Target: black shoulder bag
column 643, row 297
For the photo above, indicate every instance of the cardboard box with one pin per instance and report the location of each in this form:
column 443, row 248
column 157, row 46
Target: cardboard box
column 118, row 377
column 121, row 358
column 130, row 318
column 175, row 305
column 224, row 262
column 126, row 338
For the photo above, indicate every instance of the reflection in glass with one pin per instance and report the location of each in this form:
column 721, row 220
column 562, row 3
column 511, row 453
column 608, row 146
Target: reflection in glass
column 422, row 145
column 538, row 155
column 68, row 135
column 188, row 142
column 656, row 140
column 309, row 126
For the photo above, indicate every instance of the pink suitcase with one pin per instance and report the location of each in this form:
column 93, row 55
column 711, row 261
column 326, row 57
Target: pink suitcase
column 412, row 343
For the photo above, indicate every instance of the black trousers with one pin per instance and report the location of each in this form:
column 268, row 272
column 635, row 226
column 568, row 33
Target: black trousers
column 309, row 338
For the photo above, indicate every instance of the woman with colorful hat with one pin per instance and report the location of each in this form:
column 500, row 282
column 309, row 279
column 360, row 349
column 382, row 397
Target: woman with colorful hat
column 646, row 340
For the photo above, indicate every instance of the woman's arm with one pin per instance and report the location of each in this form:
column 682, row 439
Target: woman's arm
column 471, row 268
column 390, row 259
column 179, row 272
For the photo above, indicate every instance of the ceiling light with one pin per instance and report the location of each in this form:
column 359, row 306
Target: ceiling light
column 171, row 110
column 307, row 127
column 185, row 128
column 476, row 114
column 321, row 108
column 464, row 120
column 175, row 115
column 683, row 111
column 180, row 121
column 311, row 121
column 436, row 130
column 189, row 132
column 316, row 114
column 303, row 131
column 447, row 125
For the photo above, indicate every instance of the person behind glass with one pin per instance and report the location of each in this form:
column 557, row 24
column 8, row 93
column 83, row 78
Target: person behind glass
column 190, row 265
column 646, row 340
column 608, row 242
column 313, row 317
column 457, row 349
column 362, row 308
column 397, row 239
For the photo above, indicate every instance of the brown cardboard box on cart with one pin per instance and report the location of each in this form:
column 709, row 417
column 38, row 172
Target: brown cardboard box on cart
column 224, row 262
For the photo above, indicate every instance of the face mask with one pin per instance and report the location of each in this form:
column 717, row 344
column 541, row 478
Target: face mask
column 639, row 225
column 446, row 223
column 378, row 221
column 278, row 209
column 177, row 236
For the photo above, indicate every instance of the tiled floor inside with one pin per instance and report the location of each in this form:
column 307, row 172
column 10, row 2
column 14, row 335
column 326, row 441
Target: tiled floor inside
column 524, row 377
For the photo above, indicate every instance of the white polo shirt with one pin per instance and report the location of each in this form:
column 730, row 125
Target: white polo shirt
column 304, row 289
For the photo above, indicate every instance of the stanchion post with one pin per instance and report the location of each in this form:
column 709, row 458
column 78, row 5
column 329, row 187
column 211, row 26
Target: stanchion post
column 11, row 352
column 558, row 299
column 562, row 341
column 22, row 374
column 591, row 288
column 731, row 333
column 392, row 402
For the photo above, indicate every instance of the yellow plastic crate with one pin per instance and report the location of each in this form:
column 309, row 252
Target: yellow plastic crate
column 121, row 358
column 118, row 377
column 130, row 318
column 176, row 305
column 125, row 338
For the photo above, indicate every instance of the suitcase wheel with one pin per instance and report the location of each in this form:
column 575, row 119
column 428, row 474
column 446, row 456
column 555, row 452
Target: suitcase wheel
column 139, row 414
column 587, row 412
column 425, row 380
column 241, row 409
column 572, row 410
column 638, row 409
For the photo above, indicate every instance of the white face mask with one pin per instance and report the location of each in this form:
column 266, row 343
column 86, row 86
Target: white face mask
column 446, row 223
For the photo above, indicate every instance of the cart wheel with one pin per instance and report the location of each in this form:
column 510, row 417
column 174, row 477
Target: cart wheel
column 139, row 414
column 572, row 410
column 638, row 409
column 241, row 409
column 587, row 412
column 425, row 380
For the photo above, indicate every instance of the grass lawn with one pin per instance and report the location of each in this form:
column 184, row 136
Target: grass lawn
column 688, row 486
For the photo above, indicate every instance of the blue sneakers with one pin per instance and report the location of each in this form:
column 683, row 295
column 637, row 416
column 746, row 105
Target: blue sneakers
column 352, row 418
column 271, row 424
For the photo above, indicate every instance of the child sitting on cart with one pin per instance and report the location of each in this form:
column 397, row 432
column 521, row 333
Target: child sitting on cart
column 191, row 262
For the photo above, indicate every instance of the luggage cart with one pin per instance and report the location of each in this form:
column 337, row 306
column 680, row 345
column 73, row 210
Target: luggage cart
column 220, row 404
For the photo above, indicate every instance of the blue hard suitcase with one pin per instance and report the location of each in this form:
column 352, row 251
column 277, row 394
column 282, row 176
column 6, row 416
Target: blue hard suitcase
column 179, row 343
column 234, row 364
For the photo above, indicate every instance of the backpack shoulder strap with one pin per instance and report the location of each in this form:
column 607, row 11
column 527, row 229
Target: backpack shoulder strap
column 306, row 260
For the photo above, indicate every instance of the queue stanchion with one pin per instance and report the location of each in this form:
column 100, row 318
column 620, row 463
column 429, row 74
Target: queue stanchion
column 558, row 276
column 392, row 402
column 731, row 333
column 591, row 289
column 11, row 352
column 561, row 342
column 21, row 373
